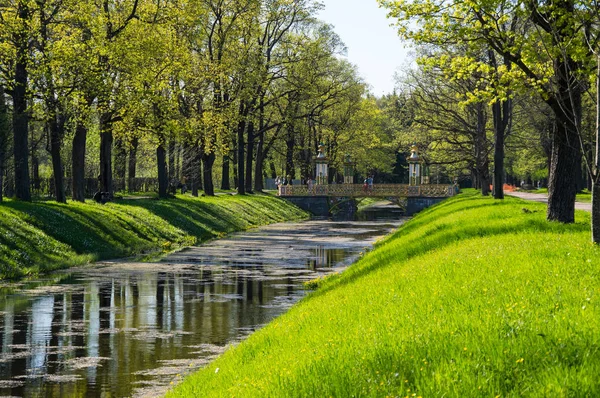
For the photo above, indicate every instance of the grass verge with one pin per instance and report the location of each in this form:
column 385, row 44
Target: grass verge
column 473, row 297
column 43, row 236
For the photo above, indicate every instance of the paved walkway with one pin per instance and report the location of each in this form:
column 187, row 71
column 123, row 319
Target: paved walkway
column 540, row 197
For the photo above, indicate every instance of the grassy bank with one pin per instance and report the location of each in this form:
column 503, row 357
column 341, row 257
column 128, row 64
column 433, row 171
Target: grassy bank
column 39, row 237
column 473, row 297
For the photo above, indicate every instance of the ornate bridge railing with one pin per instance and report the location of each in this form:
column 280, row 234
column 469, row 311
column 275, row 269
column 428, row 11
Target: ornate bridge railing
column 378, row 190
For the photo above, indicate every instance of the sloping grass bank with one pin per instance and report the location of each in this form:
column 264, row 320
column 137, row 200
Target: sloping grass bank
column 43, row 236
column 473, row 297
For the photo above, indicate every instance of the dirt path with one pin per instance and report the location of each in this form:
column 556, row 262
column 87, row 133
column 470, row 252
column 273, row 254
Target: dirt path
column 538, row 197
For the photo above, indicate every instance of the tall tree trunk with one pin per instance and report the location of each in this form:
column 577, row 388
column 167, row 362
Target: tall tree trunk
column 78, row 156
column 133, row 148
column 596, row 211
column 208, row 160
column 502, row 113
column 178, row 162
column 249, row 157
column 481, row 154
column 235, row 163
column 260, row 164
column 566, row 152
column 106, row 144
column 56, row 135
column 562, row 186
column 225, row 183
column 596, row 166
column 241, row 186
column 172, row 146
column 20, row 109
column 78, row 162
column 1, row 176
column 4, row 132
column 163, row 178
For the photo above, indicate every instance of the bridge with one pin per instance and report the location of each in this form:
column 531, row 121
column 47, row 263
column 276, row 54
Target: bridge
column 377, row 190
column 323, row 200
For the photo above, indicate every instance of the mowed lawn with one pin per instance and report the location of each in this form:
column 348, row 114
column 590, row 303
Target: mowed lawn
column 473, row 297
column 42, row 236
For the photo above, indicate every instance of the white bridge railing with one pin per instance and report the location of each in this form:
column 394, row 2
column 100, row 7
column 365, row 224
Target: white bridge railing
column 377, row 190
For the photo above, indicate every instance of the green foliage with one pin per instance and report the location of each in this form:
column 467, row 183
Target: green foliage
column 473, row 297
column 43, row 236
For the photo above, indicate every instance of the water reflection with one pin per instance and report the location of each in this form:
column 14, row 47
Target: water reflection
column 131, row 329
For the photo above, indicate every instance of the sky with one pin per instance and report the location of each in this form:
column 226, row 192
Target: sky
column 372, row 43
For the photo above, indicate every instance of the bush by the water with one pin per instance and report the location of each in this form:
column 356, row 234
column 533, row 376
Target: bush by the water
column 474, row 297
column 39, row 237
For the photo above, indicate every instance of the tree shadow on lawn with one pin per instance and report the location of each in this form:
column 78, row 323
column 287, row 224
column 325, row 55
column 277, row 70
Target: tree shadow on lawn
column 194, row 217
column 87, row 232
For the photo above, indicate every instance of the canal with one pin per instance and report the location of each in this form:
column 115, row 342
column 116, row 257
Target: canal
column 119, row 329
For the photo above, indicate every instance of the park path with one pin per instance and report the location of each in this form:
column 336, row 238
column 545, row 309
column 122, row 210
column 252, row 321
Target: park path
column 540, row 197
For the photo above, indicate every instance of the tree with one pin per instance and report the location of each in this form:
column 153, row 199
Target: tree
column 16, row 18
column 546, row 59
column 4, row 137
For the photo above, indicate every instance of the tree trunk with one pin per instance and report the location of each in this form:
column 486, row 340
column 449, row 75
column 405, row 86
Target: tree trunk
column 481, row 153
column 163, row 178
column 499, row 111
column 208, row 161
column 20, row 109
column 260, row 164
column 1, row 176
column 566, row 152
column 562, row 186
column 596, row 166
column 178, row 162
column 241, row 186
column 133, row 148
column 172, row 174
column 595, row 212
column 235, row 164
column 56, row 134
column 78, row 156
column 225, row 183
column 4, row 132
column 78, row 162
column 106, row 144
column 249, row 157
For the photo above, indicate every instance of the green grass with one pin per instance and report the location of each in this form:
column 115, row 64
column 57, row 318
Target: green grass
column 43, row 236
column 473, row 297
column 585, row 196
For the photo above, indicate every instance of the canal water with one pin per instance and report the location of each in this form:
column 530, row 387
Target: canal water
column 132, row 329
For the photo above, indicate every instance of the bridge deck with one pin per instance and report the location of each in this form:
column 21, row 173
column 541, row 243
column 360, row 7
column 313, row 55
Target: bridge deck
column 378, row 190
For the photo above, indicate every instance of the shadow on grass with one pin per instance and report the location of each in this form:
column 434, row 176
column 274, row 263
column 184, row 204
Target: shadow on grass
column 47, row 235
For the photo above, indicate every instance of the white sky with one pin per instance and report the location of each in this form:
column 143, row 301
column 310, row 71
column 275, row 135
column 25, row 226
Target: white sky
column 372, row 44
